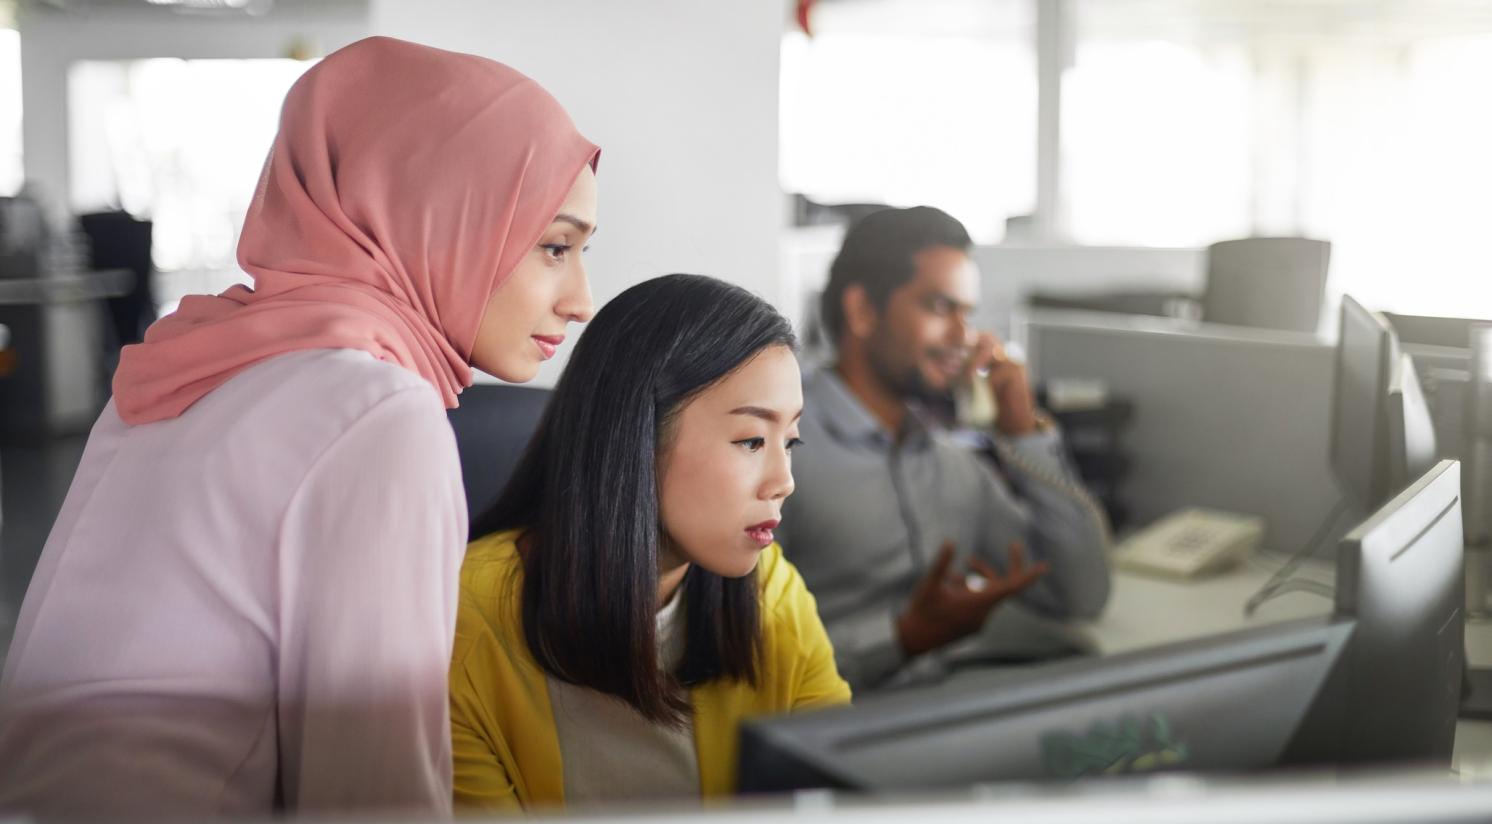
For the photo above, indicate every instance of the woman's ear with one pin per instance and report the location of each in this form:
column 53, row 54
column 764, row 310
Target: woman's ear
column 860, row 315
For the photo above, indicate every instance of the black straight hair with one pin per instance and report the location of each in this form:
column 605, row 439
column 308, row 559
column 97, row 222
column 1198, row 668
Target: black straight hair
column 879, row 253
column 586, row 491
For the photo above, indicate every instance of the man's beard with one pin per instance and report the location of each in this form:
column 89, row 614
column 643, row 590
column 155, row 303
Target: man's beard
column 903, row 379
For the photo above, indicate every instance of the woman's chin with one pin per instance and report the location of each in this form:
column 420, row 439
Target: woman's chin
column 510, row 371
column 739, row 567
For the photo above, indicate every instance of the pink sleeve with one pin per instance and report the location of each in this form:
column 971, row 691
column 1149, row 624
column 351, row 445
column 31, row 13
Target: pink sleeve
column 370, row 555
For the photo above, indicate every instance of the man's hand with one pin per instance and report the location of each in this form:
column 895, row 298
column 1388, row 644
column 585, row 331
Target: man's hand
column 945, row 609
column 1008, row 382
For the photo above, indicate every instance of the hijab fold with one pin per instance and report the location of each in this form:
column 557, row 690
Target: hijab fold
column 405, row 185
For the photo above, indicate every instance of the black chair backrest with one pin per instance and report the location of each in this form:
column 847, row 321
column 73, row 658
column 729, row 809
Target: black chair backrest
column 116, row 240
column 493, row 424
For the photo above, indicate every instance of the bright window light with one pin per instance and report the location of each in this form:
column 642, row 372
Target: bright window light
column 1358, row 123
column 11, row 172
column 1157, row 141
column 181, row 142
column 914, row 103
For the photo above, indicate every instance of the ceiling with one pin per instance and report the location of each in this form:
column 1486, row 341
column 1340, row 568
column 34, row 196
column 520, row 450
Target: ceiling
column 1367, row 19
column 1193, row 19
column 221, row 7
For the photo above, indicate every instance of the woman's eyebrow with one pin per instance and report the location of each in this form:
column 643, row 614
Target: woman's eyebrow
column 765, row 414
column 582, row 225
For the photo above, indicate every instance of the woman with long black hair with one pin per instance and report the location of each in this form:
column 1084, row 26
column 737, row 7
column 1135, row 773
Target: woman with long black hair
column 625, row 605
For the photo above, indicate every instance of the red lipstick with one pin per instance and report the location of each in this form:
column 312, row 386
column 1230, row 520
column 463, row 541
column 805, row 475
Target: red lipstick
column 548, row 344
column 761, row 533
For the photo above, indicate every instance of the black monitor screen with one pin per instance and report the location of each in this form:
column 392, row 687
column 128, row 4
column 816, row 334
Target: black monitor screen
column 1359, row 435
column 1412, row 447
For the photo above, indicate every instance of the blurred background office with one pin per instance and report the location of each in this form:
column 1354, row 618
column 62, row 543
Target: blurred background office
column 1104, row 154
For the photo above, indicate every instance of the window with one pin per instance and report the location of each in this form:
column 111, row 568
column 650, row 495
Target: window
column 1156, row 143
column 1400, row 174
column 11, row 172
column 931, row 102
column 181, row 142
column 1350, row 121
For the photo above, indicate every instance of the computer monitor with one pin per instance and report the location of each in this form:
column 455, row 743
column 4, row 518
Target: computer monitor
column 1367, row 355
column 1399, row 576
column 1412, row 443
column 1229, row 703
column 1374, row 683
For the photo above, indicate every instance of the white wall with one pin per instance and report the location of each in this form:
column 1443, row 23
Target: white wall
column 682, row 98
column 53, row 40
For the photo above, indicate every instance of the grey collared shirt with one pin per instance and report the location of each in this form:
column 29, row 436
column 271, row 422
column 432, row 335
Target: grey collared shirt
column 870, row 512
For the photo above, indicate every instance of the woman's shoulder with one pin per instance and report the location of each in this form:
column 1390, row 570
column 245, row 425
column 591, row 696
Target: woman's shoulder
column 488, row 605
column 783, row 594
column 390, row 420
column 492, row 566
column 328, row 390
column 798, row 651
column 369, row 382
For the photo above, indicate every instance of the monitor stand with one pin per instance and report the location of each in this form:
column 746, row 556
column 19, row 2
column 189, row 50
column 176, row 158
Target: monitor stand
column 1476, row 682
column 1476, row 694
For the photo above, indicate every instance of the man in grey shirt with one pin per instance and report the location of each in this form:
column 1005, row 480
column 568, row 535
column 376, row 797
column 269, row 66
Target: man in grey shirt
column 909, row 538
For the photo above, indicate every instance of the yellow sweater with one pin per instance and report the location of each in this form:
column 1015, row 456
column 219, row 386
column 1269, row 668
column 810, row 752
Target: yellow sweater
column 505, row 745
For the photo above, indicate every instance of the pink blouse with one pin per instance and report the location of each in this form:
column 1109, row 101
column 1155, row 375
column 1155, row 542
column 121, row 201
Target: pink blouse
column 247, row 605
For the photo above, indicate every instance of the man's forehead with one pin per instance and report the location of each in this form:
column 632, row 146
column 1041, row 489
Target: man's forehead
column 947, row 271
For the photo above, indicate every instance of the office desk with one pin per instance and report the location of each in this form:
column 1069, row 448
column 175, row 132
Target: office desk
column 1145, row 611
column 52, row 373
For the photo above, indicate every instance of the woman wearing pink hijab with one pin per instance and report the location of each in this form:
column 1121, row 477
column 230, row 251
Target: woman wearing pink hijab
column 248, row 599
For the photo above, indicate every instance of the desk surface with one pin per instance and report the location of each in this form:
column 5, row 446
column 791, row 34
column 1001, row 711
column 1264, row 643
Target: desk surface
column 1146, row 611
column 67, row 288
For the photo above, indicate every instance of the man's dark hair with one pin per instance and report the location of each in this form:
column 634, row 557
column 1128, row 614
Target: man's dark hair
column 587, row 490
column 878, row 254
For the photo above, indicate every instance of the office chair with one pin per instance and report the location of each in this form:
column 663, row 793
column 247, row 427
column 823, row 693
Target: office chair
column 116, row 240
column 493, row 425
column 1266, row 282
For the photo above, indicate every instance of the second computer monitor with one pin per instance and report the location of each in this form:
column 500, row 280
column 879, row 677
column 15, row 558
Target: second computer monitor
column 1412, row 446
column 1367, row 354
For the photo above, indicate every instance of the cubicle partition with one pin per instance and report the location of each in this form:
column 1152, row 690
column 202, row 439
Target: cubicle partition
column 1011, row 273
column 1225, row 417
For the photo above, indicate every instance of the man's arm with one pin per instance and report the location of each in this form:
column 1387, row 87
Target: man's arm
column 1051, row 512
column 873, row 646
column 1057, row 519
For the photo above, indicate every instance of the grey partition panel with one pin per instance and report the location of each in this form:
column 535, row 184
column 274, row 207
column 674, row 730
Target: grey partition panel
column 1227, row 418
column 1010, row 273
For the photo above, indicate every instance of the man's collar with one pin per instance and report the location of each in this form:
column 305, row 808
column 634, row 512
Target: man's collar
column 842, row 410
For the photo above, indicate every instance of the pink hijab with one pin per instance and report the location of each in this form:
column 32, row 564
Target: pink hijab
column 405, row 185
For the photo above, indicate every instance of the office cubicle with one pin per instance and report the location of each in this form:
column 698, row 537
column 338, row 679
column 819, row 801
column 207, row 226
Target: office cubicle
column 1226, row 417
